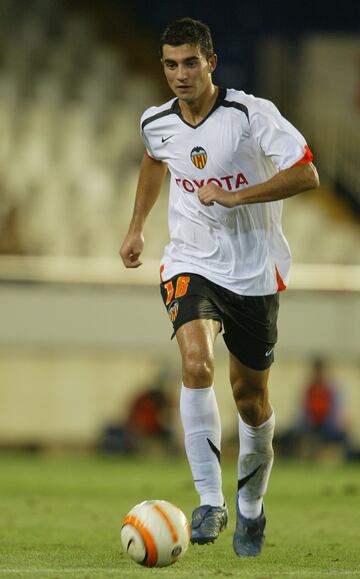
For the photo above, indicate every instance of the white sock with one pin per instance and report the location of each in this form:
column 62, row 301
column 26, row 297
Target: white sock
column 255, row 461
column 201, row 422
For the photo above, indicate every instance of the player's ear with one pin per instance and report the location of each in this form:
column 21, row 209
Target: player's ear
column 212, row 62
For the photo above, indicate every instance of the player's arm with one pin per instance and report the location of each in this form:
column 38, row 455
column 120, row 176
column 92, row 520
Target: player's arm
column 151, row 177
column 284, row 184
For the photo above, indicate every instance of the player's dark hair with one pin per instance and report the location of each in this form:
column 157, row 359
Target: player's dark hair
column 188, row 31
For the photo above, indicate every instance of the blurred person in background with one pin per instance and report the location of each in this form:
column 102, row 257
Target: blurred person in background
column 150, row 416
column 232, row 159
column 148, row 424
column 320, row 429
column 322, row 421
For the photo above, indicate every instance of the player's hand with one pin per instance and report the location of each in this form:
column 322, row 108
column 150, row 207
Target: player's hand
column 131, row 249
column 211, row 193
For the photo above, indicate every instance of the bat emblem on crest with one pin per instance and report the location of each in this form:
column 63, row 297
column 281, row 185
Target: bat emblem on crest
column 198, row 157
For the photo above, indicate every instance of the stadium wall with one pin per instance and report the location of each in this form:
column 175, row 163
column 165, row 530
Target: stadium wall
column 72, row 357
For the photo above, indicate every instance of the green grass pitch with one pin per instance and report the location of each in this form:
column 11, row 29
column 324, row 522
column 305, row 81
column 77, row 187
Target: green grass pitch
column 60, row 517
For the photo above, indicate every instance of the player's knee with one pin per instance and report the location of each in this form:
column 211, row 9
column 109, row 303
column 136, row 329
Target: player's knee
column 198, row 371
column 252, row 404
column 253, row 411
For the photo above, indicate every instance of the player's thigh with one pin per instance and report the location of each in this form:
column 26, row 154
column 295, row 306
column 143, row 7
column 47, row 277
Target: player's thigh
column 196, row 319
column 246, row 382
column 188, row 297
column 250, row 329
column 196, row 343
column 198, row 335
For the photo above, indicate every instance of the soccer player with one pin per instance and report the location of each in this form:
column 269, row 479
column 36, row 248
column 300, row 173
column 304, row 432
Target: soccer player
column 232, row 158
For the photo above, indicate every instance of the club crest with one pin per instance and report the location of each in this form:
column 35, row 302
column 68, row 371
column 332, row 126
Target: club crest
column 199, row 157
column 173, row 311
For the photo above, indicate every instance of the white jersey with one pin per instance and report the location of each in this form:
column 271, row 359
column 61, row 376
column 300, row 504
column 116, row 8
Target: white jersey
column 243, row 141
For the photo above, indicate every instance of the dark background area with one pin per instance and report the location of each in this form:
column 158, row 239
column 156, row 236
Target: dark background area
column 237, row 27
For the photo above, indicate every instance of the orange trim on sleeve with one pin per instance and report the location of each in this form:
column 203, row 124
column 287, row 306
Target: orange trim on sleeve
column 280, row 284
column 307, row 158
column 162, row 267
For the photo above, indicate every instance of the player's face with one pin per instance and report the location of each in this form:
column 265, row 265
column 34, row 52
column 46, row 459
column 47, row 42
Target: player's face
column 187, row 70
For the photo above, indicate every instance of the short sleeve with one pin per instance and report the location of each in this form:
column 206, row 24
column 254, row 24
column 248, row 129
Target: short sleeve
column 278, row 138
column 145, row 139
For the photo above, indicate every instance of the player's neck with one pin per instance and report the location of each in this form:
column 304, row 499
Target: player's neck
column 195, row 111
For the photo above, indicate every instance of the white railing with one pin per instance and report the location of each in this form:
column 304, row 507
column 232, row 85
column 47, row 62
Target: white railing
column 110, row 271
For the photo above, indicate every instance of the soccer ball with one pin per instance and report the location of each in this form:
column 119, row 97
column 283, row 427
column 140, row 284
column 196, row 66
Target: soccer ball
column 155, row 533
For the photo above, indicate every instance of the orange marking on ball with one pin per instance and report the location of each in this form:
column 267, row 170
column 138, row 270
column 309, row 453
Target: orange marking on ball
column 151, row 550
column 187, row 526
column 169, row 523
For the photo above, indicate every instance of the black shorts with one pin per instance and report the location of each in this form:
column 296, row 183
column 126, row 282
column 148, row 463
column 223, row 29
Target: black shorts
column 249, row 322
